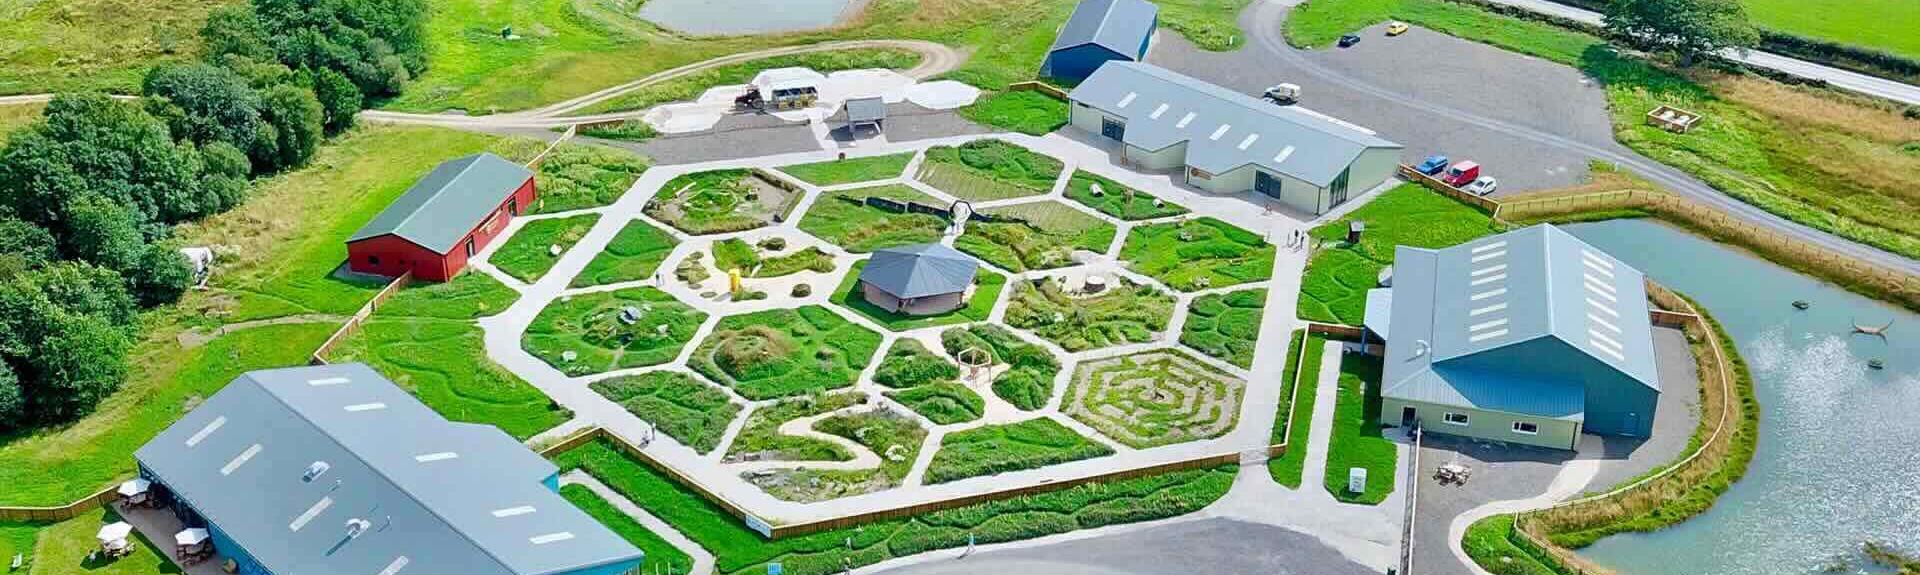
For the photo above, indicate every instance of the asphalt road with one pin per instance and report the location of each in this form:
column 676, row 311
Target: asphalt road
column 1204, row 546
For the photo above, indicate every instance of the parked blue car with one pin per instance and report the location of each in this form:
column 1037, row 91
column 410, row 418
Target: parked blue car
column 1433, row 165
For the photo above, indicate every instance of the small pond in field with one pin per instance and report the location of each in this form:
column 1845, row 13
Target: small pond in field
column 1839, row 454
column 726, row 17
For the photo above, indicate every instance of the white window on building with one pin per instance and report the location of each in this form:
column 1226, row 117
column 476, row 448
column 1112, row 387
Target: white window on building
column 1526, row 428
column 1456, row 418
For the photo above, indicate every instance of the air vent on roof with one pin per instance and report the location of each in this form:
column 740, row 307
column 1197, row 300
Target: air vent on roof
column 357, row 526
column 314, row 471
column 1421, row 347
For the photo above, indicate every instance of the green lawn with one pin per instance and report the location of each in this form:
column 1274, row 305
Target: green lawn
column 735, row 253
column 691, row 411
column 634, row 255
column 1334, row 287
column 528, row 253
column 1124, row 313
column 1356, row 440
column 18, row 538
column 1117, row 199
column 594, row 327
column 689, row 87
column 1296, row 409
column 851, row 170
column 844, row 219
column 470, row 295
column 785, row 352
column 983, row 170
column 1028, row 381
column 1226, row 326
column 1490, row 543
column 1027, row 112
column 81, row 45
column 986, row 292
column 718, row 201
column 1198, row 254
column 761, row 436
column 996, row 449
column 576, row 176
column 67, row 547
column 1035, row 236
column 659, row 553
column 1886, row 25
column 739, row 551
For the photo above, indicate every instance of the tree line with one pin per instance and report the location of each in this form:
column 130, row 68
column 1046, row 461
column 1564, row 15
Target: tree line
column 89, row 194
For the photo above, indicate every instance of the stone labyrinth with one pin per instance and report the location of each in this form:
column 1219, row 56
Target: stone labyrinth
column 1154, row 398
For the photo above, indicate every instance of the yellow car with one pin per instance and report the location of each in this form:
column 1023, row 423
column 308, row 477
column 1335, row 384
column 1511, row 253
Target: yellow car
column 1396, row 28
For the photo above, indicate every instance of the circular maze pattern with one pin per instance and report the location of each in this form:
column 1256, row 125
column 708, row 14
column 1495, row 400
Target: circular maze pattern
column 1154, row 398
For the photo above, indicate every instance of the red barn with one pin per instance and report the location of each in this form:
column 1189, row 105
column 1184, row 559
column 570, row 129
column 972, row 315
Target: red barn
column 443, row 220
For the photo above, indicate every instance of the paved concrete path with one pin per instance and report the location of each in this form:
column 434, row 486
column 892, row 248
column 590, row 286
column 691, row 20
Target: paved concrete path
column 702, row 560
column 1573, row 476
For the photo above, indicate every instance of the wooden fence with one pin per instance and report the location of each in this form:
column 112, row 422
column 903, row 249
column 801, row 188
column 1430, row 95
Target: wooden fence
column 63, row 512
column 1037, row 86
column 1488, row 204
column 352, row 325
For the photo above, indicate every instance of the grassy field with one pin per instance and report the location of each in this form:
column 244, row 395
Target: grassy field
column 842, row 218
column 717, row 201
column 1028, row 381
column 470, row 295
column 1118, row 200
column 79, row 45
column 659, row 553
column 1334, row 287
column 634, row 254
column 1356, row 440
column 691, row 411
column 67, row 547
column 785, row 352
column 1296, row 398
column 1027, row 112
column 595, row 329
column 986, row 292
column 895, row 437
column 18, row 116
column 1198, row 254
column 1885, row 25
column 1000, row 448
column 761, row 435
column 1035, row 236
column 851, row 170
column 444, row 363
column 576, row 176
column 689, row 87
column 1125, row 313
column 1226, row 326
column 528, row 254
column 983, row 170
column 739, row 551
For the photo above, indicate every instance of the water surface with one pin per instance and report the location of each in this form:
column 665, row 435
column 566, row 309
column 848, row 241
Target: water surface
column 706, row 17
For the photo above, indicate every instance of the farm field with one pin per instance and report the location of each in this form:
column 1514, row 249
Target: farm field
column 1198, row 254
column 528, row 254
column 843, row 219
column 785, row 352
column 685, row 408
column 1154, row 398
column 1334, row 286
column 1356, row 440
column 634, row 254
column 983, row 170
column 1226, row 326
column 851, row 170
column 1035, row 236
column 1875, row 24
column 995, row 449
column 578, row 176
column 604, row 331
column 1027, row 382
column 1125, row 313
column 986, row 292
column 1118, row 200
column 719, row 201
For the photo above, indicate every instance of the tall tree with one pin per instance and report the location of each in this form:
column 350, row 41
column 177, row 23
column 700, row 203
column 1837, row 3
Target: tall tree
column 1688, row 29
column 203, row 103
column 91, row 145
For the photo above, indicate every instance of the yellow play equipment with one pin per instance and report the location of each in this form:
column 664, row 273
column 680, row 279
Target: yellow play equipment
column 733, row 281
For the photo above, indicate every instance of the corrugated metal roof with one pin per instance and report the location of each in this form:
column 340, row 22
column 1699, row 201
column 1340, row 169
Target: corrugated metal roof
column 1513, row 289
column 1379, row 312
column 439, row 210
column 1494, row 392
column 866, row 109
column 919, row 270
column 1118, row 25
column 1223, row 129
column 435, row 496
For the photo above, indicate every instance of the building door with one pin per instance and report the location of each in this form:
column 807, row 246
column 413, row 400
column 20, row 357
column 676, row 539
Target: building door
column 1337, row 191
column 1633, row 425
column 1112, row 128
column 1266, row 183
column 470, row 249
column 513, row 206
column 1407, row 417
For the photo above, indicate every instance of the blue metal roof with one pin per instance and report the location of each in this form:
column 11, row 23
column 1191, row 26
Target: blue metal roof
column 436, row 496
column 919, row 270
column 1512, row 313
column 1223, row 129
column 439, row 210
column 1118, row 25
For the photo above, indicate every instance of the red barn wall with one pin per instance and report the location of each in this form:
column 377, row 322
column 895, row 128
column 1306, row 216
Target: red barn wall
column 398, row 255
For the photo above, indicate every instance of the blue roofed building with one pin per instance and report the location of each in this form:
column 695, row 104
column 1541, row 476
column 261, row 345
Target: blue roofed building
column 1530, row 336
column 334, row 469
column 1100, row 31
column 920, row 279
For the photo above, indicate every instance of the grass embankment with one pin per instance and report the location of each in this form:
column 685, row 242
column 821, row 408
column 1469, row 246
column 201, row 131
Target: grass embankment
column 983, row 170
column 1117, row 199
column 634, row 254
column 1832, row 161
column 1226, row 326
column 1334, row 286
column 1027, row 382
column 1028, row 112
column 1035, row 236
column 1356, row 440
column 659, row 553
column 1294, row 420
column 576, row 176
column 739, row 551
column 679, row 405
column 107, row 45
column 986, row 292
column 926, row 384
column 529, row 253
column 996, row 449
column 785, row 352
column 851, row 170
column 1198, row 254
column 604, row 331
column 1124, row 313
column 689, row 87
column 844, row 218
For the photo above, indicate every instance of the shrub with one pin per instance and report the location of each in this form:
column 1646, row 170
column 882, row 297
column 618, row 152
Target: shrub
column 910, row 364
column 802, row 290
column 773, row 244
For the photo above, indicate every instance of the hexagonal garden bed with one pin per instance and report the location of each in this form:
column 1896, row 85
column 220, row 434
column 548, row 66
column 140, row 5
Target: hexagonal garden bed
column 604, row 331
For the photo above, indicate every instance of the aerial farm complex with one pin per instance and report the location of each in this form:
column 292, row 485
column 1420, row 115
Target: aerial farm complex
column 930, row 287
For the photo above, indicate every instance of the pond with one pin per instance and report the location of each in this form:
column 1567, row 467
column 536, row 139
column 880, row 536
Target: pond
column 719, row 17
column 1838, row 462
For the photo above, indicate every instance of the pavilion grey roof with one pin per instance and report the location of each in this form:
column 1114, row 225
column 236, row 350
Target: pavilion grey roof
column 919, row 270
column 439, row 210
column 1117, row 25
column 1223, row 129
column 436, row 496
column 1514, row 292
column 866, row 109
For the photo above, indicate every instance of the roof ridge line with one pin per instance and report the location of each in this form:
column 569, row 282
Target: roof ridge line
column 1248, row 103
column 417, row 210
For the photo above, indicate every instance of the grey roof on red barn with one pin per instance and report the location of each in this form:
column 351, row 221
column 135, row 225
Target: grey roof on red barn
column 920, row 270
column 439, row 210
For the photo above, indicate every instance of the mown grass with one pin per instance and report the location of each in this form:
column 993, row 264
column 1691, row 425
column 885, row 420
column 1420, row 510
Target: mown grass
column 1125, row 313
column 69, row 547
column 761, row 436
column 986, row 293
column 1028, row 112
column 844, row 219
column 739, row 551
column 1226, row 326
column 1878, row 24
column 1356, row 440
column 634, row 254
column 1034, row 236
column 983, row 170
column 1117, row 199
column 528, row 253
column 685, row 408
column 996, row 449
column 689, row 87
column 1027, row 383
column 83, row 45
column 444, row 363
column 1198, row 254
column 851, row 170
column 1334, row 287
column 737, row 254
column 659, row 554
column 785, row 352
column 1293, row 421
column 594, row 328
column 470, row 295
column 1490, row 543
column 576, row 176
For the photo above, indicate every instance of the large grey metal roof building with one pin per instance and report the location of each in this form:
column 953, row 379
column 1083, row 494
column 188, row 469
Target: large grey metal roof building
column 440, row 209
column 334, row 469
column 1099, row 31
